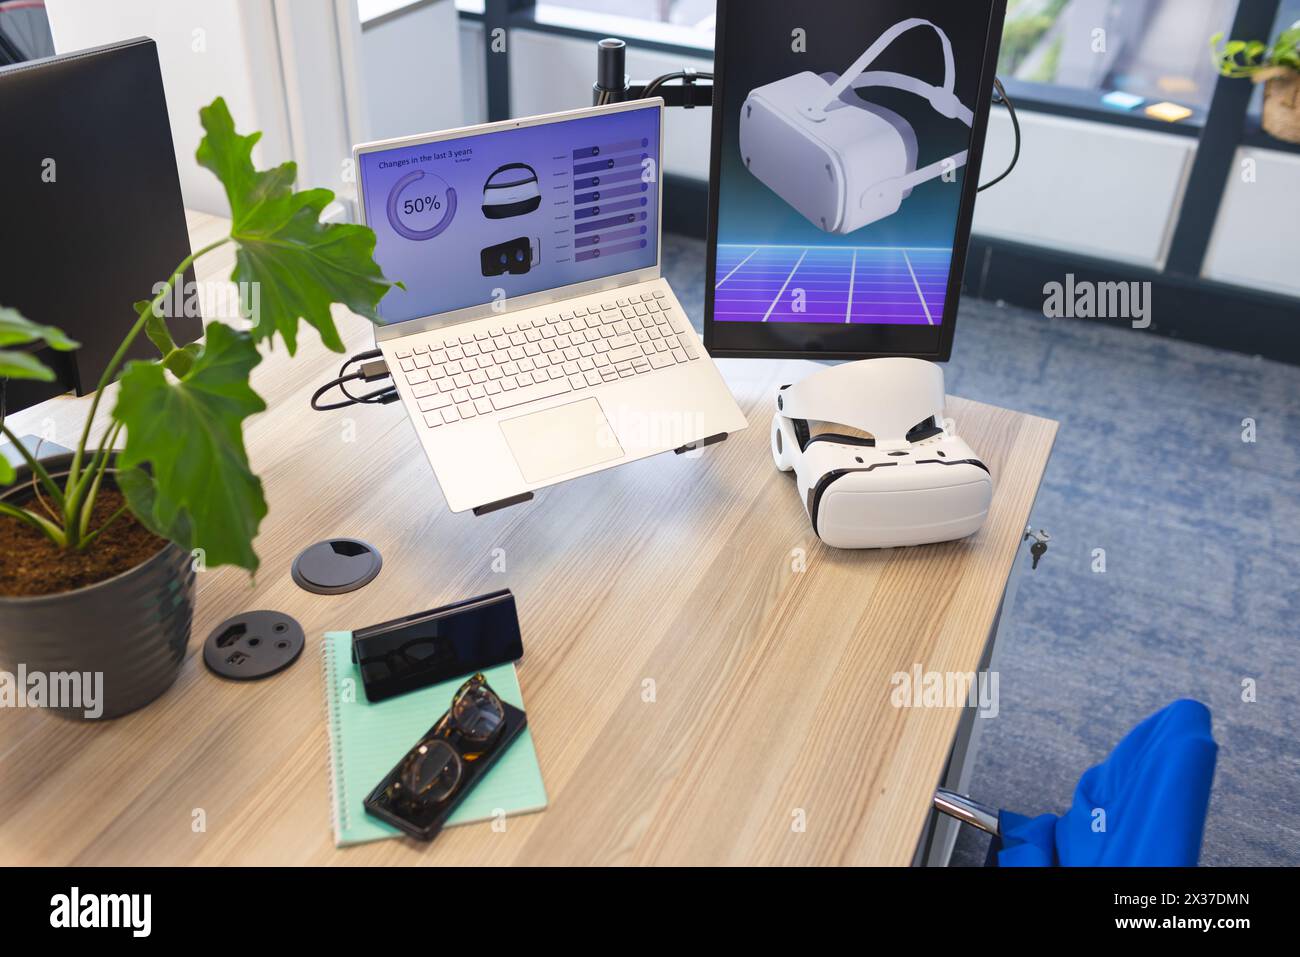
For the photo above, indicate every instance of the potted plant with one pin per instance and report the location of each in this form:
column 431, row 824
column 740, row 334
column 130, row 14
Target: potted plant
column 1277, row 67
column 98, row 547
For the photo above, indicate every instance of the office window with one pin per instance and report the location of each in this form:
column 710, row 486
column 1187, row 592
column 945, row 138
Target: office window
column 681, row 22
column 24, row 32
column 1155, row 49
column 1288, row 14
column 685, row 13
column 1066, row 52
column 1071, row 51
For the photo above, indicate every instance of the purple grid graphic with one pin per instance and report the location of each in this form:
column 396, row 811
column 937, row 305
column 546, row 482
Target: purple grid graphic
column 869, row 285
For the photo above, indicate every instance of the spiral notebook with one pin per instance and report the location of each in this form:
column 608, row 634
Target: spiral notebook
column 367, row 740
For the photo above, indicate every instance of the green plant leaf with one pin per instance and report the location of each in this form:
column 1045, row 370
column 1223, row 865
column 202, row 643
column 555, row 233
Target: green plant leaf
column 7, row 471
column 142, row 496
column 181, row 359
column 23, row 365
column 16, row 330
column 300, row 266
column 189, row 430
column 155, row 327
column 1286, row 49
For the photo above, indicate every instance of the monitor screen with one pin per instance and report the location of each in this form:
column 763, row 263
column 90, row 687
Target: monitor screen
column 846, row 150
column 486, row 217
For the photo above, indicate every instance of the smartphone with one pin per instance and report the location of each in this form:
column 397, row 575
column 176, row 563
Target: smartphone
column 429, row 647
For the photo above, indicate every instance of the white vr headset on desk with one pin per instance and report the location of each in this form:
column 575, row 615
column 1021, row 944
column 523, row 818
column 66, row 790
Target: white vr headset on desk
column 911, row 482
column 840, row 161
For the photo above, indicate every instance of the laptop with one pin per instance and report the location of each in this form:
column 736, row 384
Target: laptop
column 536, row 339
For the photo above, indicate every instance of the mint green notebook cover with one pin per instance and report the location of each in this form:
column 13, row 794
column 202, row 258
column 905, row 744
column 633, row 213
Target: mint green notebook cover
column 367, row 740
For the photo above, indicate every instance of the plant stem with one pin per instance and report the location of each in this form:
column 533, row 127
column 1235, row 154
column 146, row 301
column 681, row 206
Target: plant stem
column 97, row 460
column 40, row 500
column 98, row 468
column 75, row 502
column 85, row 542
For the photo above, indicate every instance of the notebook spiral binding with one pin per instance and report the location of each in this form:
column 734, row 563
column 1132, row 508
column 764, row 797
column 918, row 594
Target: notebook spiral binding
column 338, row 800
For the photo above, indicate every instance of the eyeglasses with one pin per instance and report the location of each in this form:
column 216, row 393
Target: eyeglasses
column 470, row 728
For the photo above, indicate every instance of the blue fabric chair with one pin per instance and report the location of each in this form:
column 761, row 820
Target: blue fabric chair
column 1143, row 806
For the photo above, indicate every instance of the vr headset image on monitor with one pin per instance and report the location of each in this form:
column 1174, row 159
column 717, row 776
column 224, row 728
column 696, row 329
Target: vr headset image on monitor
column 840, row 161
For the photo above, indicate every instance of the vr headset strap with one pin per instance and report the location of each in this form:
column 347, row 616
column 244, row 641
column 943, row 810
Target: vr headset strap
column 934, row 170
column 884, row 397
column 942, row 99
column 883, row 43
column 901, row 81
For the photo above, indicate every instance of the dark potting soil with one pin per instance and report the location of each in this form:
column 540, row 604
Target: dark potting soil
column 30, row 564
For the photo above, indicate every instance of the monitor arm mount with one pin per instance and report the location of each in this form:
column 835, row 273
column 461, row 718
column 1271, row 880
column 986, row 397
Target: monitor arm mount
column 613, row 86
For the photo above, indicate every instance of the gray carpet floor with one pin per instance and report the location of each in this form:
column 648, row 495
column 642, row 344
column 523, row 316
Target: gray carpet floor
column 1200, row 596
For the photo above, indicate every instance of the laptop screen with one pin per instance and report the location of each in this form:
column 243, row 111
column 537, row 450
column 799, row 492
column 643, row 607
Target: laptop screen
column 487, row 217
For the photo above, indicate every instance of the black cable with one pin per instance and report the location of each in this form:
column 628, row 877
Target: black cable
column 659, row 81
column 1015, row 125
column 653, row 85
column 369, row 372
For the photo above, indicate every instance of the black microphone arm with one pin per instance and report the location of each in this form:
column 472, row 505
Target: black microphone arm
column 612, row 84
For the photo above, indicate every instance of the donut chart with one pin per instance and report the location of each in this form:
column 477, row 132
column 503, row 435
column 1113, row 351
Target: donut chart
column 420, row 206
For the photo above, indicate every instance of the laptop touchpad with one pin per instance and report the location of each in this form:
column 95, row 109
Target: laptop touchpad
column 567, row 438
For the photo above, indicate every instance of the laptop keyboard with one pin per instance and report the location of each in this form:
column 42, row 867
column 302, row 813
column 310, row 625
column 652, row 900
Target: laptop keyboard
column 455, row 377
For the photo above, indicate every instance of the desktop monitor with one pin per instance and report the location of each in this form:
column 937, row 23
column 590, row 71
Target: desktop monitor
column 91, row 204
column 846, row 154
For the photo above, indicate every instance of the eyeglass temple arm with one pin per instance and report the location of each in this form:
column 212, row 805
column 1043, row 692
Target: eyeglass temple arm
column 965, row 810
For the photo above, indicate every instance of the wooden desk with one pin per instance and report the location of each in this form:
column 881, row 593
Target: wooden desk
column 771, row 684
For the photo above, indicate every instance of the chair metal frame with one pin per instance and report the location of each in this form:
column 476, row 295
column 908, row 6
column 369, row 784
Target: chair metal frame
column 966, row 810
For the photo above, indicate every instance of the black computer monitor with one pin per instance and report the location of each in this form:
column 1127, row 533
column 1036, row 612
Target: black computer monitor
column 846, row 153
column 90, row 202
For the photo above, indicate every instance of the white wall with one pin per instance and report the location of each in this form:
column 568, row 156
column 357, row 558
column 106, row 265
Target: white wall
column 1106, row 191
column 473, row 58
column 205, row 51
column 411, row 71
column 285, row 67
column 1256, row 241
column 319, row 54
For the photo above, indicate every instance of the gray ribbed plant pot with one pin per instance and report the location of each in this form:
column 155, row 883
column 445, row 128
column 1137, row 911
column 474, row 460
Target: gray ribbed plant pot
column 132, row 628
